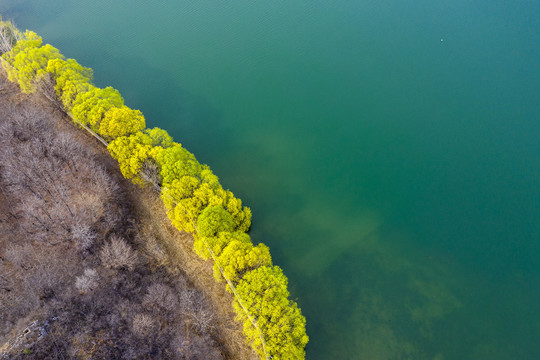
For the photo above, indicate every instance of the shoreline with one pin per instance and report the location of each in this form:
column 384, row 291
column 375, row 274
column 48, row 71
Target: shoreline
column 191, row 195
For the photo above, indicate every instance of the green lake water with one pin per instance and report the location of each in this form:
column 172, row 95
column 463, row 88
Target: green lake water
column 389, row 150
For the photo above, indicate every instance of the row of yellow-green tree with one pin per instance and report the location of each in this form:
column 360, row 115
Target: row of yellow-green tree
column 193, row 197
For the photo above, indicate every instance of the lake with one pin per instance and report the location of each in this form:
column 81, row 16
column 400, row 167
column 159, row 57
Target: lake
column 389, row 151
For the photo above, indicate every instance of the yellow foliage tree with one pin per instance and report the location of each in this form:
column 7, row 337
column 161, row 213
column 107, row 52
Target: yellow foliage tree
column 27, row 61
column 90, row 106
column 241, row 215
column 131, row 152
column 217, row 243
column 178, row 190
column 176, row 162
column 187, row 197
column 238, row 257
column 213, row 220
column 159, row 137
column 183, row 214
column 121, row 121
column 71, row 79
column 265, row 296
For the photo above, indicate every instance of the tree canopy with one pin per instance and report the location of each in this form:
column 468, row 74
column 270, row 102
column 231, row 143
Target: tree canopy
column 27, row 61
column 264, row 293
column 213, row 220
column 90, row 106
column 217, row 243
column 71, row 79
column 238, row 257
column 132, row 151
column 121, row 121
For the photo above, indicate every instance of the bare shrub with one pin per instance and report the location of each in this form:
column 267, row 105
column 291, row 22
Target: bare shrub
column 25, row 121
column 143, row 324
column 118, row 254
column 83, row 235
column 45, row 85
column 194, row 305
column 21, row 255
column 156, row 250
column 194, row 347
column 150, row 172
column 31, row 277
column 88, row 281
column 203, row 318
column 9, row 35
column 160, row 297
column 88, row 206
column 46, row 280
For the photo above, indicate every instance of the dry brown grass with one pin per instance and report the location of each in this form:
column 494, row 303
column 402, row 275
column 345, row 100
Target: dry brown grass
column 179, row 255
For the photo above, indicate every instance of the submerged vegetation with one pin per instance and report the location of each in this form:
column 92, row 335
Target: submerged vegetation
column 192, row 195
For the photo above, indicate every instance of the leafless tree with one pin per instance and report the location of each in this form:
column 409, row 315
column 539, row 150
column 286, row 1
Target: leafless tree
column 9, row 35
column 160, row 297
column 193, row 347
column 21, row 256
column 150, row 172
column 83, row 235
column 143, row 324
column 45, row 86
column 156, row 250
column 88, row 281
column 54, row 179
column 118, row 254
column 194, row 305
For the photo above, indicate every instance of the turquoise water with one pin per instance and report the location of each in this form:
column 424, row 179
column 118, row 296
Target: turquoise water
column 393, row 175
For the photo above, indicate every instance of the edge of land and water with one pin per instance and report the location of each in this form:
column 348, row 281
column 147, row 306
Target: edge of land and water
column 218, row 221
